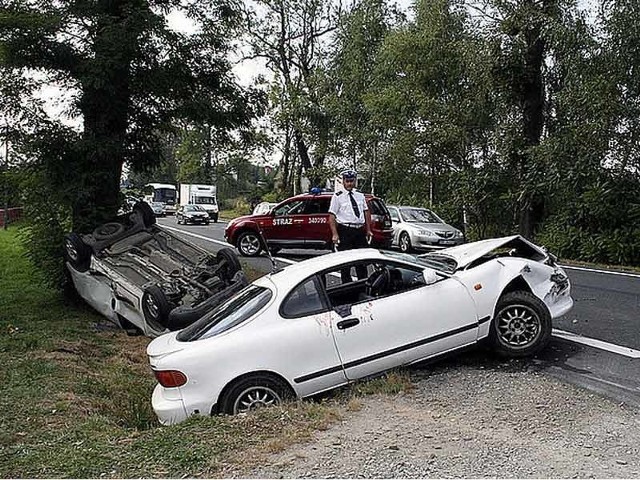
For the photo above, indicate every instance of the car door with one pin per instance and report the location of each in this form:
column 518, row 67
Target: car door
column 405, row 324
column 317, row 233
column 312, row 361
column 395, row 221
column 285, row 230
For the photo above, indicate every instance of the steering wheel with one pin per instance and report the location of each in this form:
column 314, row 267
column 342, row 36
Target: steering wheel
column 378, row 282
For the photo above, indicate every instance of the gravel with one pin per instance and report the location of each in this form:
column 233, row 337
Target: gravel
column 504, row 419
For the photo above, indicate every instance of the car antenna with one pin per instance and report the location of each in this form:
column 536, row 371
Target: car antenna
column 274, row 265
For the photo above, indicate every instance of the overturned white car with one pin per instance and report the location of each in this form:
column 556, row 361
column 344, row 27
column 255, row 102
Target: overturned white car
column 343, row 316
column 141, row 276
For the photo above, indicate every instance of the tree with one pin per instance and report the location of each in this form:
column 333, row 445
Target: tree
column 132, row 77
column 287, row 35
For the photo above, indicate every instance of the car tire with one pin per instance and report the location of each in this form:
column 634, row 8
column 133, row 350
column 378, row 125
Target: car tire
column 76, row 252
column 521, row 326
column 146, row 213
column 215, row 218
column 404, row 242
column 254, row 391
column 156, row 307
column 249, row 244
column 230, row 259
column 108, row 231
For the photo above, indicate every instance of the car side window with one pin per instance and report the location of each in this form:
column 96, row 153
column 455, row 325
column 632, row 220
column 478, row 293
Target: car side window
column 316, row 206
column 303, row 300
column 394, row 214
column 290, row 208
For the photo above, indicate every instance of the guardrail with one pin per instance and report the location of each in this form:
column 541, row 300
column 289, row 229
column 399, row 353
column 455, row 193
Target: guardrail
column 14, row 214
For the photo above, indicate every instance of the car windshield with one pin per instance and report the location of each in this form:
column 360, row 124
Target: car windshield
column 234, row 311
column 418, row 215
column 193, row 208
column 436, row 261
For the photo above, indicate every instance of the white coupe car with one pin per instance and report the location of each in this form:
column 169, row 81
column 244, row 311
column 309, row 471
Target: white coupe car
column 301, row 330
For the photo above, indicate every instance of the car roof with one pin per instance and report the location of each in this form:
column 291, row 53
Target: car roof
column 322, row 194
column 293, row 274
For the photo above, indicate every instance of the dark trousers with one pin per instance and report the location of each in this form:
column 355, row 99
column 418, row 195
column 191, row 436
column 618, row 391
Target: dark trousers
column 351, row 238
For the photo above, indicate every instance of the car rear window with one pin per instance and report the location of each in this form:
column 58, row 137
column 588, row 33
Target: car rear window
column 377, row 207
column 227, row 315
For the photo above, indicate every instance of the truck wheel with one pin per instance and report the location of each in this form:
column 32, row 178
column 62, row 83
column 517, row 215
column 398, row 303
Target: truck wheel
column 214, row 217
column 249, row 244
column 76, row 252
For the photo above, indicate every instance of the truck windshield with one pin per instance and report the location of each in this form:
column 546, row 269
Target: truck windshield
column 164, row 195
column 205, row 200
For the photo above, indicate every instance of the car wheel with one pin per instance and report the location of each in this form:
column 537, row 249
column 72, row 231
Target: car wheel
column 521, row 326
column 108, row 230
column 146, row 213
column 404, row 242
column 76, row 252
column 156, row 306
column 253, row 392
column 249, row 244
column 231, row 262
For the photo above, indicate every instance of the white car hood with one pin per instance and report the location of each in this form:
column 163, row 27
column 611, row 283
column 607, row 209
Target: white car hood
column 468, row 252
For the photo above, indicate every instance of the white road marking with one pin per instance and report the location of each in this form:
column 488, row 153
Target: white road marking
column 201, row 237
column 592, row 342
column 573, row 337
column 213, row 240
column 622, row 274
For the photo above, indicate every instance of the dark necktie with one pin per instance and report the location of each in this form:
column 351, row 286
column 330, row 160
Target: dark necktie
column 354, row 205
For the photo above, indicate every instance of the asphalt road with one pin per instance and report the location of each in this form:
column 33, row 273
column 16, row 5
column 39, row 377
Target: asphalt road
column 596, row 345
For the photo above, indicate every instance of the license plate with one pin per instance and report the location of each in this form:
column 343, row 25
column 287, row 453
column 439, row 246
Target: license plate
column 447, row 242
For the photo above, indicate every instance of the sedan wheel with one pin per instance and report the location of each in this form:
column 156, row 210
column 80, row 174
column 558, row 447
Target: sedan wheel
column 404, row 242
column 249, row 244
column 254, row 392
column 522, row 325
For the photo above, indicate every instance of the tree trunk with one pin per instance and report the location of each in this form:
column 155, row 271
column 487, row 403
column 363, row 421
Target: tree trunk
column 105, row 104
column 532, row 103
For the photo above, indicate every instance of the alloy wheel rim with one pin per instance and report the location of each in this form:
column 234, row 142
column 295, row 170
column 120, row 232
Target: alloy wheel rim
column 250, row 244
column 404, row 243
column 256, row 397
column 518, row 326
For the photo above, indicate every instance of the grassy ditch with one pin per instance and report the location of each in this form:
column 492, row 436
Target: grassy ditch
column 76, row 397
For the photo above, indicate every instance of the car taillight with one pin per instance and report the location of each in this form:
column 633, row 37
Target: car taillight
column 170, row 378
column 387, row 221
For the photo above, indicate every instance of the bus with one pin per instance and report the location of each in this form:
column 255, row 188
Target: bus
column 164, row 193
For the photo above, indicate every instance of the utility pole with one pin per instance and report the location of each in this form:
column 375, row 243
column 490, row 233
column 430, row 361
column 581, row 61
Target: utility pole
column 5, row 180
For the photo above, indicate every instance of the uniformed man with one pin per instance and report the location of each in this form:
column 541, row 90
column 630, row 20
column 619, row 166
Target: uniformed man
column 349, row 219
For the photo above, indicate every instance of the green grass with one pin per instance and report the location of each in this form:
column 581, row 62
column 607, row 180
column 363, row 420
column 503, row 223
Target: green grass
column 75, row 398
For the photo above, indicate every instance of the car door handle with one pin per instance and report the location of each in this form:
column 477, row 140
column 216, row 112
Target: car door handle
column 348, row 323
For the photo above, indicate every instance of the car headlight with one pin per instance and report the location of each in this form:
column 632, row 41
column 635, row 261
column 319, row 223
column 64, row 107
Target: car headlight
column 458, row 234
column 426, row 233
column 206, row 215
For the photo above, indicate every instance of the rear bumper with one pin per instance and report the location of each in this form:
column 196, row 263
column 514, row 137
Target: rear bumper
column 168, row 410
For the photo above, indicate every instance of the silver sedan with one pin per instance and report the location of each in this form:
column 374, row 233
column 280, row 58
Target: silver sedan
column 417, row 228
